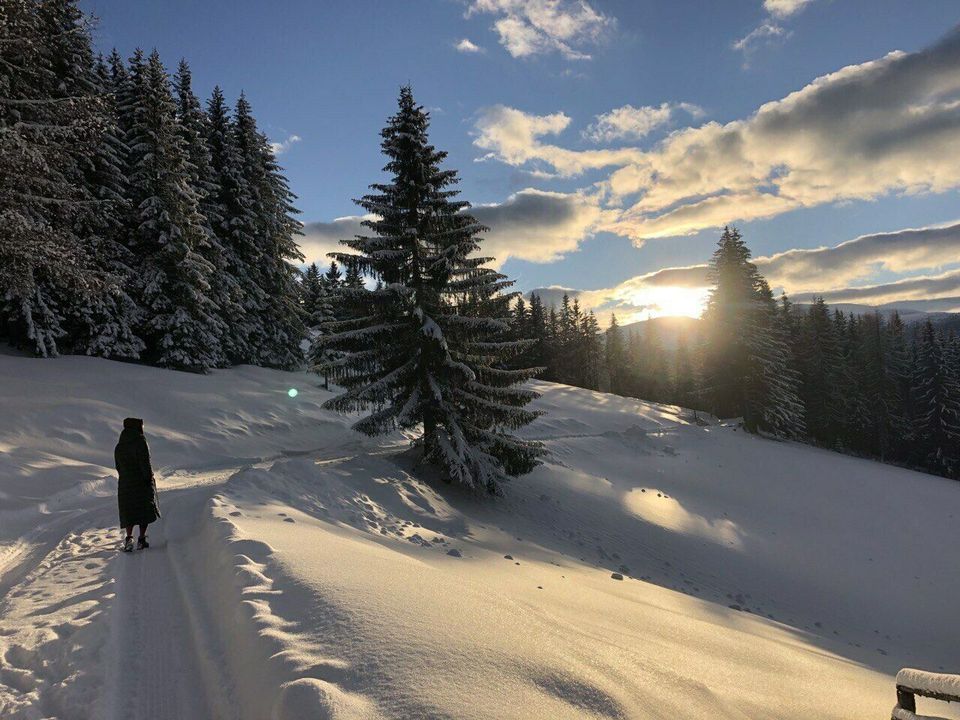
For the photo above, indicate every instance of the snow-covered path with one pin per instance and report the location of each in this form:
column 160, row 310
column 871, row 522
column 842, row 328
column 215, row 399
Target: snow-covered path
column 160, row 663
column 85, row 615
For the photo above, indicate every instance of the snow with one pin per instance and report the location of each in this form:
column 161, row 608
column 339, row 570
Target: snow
column 302, row 570
column 922, row 681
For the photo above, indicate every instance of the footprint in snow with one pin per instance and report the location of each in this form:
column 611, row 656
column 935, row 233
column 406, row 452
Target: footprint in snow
column 236, row 513
column 289, row 519
column 454, row 553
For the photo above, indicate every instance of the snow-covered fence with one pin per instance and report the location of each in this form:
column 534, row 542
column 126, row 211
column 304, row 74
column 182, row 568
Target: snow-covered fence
column 911, row 683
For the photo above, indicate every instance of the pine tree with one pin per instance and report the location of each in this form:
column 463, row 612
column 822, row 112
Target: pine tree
column 104, row 322
column 593, row 352
column 937, row 403
column 684, row 381
column 181, row 328
column 50, row 118
column 727, row 315
column 280, row 330
column 820, row 373
column 311, row 291
column 194, row 126
column 773, row 403
column 746, row 356
column 234, row 224
column 430, row 345
column 615, row 356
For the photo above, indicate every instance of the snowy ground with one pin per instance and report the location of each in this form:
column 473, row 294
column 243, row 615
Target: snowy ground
column 301, row 570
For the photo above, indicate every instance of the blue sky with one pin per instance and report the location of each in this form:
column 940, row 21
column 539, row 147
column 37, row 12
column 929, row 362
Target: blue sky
column 580, row 125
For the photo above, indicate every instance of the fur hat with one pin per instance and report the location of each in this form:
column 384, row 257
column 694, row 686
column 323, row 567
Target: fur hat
column 135, row 423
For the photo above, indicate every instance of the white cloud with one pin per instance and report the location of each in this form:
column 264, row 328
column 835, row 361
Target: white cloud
column 770, row 28
column 945, row 285
column 279, row 148
column 888, row 125
column 535, row 27
column 784, row 8
column 828, row 268
column 633, row 123
column 467, row 46
column 513, row 137
column 764, row 32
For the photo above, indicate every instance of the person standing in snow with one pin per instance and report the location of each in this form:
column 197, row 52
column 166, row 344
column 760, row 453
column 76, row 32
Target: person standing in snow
column 137, row 489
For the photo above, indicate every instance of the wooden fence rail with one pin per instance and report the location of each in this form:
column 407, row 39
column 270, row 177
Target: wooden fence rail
column 910, row 683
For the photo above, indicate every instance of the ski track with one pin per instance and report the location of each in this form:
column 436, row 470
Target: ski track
column 126, row 635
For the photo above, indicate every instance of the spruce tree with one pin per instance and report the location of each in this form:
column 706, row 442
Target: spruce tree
column 820, row 373
column 311, row 291
column 234, row 223
column 181, row 326
column 937, row 394
column 431, row 342
column 51, row 117
column 615, row 357
column 279, row 331
column 746, row 356
column 772, row 400
column 104, row 322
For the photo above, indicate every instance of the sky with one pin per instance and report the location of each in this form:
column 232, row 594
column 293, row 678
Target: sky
column 607, row 142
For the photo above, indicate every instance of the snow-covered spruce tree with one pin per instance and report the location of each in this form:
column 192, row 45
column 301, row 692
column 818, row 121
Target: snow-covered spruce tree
column 181, row 326
column 235, row 226
column 430, row 344
column 745, row 355
column 937, row 396
column 281, row 329
column 310, row 287
column 615, row 356
column 320, row 318
column 104, row 322
column 194, row 128
column 772, row 398
column 50, row 117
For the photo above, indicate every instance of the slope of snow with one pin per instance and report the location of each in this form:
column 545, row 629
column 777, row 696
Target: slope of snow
column 302, row 570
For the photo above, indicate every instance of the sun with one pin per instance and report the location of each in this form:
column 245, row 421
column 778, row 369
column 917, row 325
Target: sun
column 668, row 301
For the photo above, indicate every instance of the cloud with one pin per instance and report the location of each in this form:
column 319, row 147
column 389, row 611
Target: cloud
column 770, row 28
column 535, row 27
column 320, row 238
column 902, row 251
column 763, row 33
column 538, row 226
column 633, row 123
column 513, row 137
column 466, row 46
column 864, row 131
column 926, row 288
column 279, row 148
column 784, row 8
column 531, row 225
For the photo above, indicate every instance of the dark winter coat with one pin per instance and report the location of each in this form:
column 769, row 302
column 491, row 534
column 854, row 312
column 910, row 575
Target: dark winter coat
column 137, row 490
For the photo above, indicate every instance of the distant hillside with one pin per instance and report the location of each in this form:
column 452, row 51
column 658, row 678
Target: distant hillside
column 670, row 328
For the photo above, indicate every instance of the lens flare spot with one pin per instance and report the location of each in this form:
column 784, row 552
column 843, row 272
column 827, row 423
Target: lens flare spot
column 293, row 392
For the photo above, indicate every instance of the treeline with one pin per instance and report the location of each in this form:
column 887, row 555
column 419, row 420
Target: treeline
column 135, row 221
column 864, row 384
